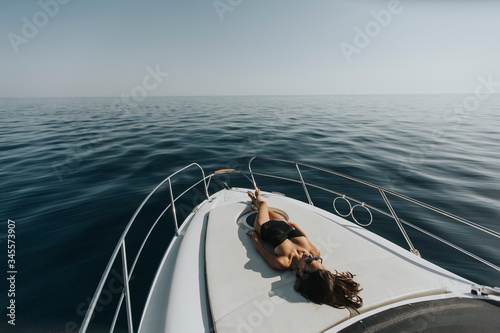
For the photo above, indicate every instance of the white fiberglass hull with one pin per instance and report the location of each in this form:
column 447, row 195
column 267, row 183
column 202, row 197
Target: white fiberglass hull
column 212, row 277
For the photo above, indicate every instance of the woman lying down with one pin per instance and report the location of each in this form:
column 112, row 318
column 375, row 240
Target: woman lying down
column 293, row 250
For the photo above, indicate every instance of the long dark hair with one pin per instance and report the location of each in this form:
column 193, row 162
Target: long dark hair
column 323, row 287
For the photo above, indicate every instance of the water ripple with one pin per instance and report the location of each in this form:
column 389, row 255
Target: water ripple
column 74, row 170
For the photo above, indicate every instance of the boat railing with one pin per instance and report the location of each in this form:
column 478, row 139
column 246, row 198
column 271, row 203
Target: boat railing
column 390, row 212
column 120, row 250
column 119, row 254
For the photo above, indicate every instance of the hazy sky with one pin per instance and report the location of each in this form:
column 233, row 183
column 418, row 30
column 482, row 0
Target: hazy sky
column 246, row 47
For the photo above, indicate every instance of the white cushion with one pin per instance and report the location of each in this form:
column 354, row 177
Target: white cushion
column 246, row 295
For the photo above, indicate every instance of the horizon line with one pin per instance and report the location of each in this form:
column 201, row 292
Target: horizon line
column 249, row 95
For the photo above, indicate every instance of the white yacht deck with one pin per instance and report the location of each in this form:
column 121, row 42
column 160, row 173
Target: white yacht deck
column 246, row 295
column 212, row 279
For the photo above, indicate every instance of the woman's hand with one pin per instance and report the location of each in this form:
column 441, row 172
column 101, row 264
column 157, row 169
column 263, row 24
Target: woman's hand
column 253, row 234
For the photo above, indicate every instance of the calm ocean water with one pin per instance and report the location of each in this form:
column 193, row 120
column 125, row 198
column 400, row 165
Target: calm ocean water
column 73, row 171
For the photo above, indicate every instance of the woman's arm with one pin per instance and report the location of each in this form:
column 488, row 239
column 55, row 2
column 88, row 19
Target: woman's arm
column 293, row 225
column 279, row 263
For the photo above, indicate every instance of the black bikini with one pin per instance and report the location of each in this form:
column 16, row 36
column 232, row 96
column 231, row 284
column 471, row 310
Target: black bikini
column 276, row 232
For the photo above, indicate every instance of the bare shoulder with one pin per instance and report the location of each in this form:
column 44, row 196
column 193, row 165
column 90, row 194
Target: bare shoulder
column 283, row 262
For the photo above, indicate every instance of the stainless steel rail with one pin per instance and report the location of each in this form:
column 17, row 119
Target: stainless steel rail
column 391, row 213
column 120, row 248
column 383, row 193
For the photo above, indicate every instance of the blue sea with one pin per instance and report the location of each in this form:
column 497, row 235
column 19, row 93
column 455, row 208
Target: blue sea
column 73, row 171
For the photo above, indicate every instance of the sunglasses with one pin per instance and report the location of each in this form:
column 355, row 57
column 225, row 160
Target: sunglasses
column 308, row 260
column 304, row 275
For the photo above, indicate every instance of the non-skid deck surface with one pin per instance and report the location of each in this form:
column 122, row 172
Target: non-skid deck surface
column 246, row 295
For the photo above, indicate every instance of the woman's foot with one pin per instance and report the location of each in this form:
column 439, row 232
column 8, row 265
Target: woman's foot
column 256, row 198
column 252, row 197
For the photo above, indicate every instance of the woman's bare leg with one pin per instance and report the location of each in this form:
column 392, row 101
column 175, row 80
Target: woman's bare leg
column 263, row 212
column 272, row 215
column 275, row 216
